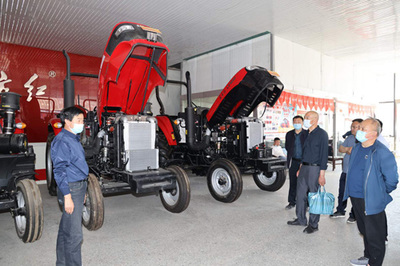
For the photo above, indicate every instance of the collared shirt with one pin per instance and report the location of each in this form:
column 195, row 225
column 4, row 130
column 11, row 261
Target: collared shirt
column 315, row 150
column 349, row 142
column 355, row 184
column 68, row 159
column 298, row 151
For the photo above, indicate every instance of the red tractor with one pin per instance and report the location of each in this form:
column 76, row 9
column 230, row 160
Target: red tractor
column 120, row 140
column 19, row 192
column 223, row 141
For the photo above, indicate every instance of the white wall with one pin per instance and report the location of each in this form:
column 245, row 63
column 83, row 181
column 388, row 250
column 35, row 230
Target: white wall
column 212, row 71
column 169, row 94
column 307, row 71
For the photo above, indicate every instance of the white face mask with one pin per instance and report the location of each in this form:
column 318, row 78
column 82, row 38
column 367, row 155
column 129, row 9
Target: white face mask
column 77, row 128
column 307, row 123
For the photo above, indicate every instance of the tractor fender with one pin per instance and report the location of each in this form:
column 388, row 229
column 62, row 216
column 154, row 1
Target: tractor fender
column 165, row 124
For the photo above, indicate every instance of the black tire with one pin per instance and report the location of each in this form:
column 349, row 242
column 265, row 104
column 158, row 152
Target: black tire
column 29, row 223
column 224, row 181
column 177, row 200
column 270, row 181
column 51, row 182
column 164, row 150
column 93, row 209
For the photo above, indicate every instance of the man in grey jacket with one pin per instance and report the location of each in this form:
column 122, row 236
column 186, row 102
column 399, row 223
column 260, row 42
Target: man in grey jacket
column 372, row 175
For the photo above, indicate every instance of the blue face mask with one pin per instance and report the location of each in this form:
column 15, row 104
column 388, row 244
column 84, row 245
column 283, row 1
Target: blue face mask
column 360, row 136
column 78, row 128
column 307, row 123
column 297, row 126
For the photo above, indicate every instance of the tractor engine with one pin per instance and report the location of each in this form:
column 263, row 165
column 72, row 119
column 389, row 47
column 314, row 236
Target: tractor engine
column 240, row 138
column 10, row 142
column 127, row 143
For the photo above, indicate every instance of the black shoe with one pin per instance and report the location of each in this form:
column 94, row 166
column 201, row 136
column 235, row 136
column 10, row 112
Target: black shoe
column 309, row 229
column 295, row 222
column 290, row 206
column 351, row 220
column 337, row 215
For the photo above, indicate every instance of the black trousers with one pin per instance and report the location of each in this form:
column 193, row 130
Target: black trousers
column 373, row 229
column 343, row 204
column 294, row 167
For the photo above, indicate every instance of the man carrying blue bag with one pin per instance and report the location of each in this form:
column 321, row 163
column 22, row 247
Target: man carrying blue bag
column 312, row 171
column 372, row 175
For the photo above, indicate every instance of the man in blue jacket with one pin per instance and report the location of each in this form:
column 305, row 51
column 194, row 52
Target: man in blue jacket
column 70, row 173
column 372, row 175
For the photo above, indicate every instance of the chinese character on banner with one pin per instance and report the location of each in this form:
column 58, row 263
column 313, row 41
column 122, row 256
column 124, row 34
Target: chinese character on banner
column 30, row 87
column 3, row 80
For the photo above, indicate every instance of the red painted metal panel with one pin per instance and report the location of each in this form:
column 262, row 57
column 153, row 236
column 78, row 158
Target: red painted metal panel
column 38, row 75
column 164, row 123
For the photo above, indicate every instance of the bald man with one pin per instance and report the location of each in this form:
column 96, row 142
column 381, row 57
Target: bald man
column 312, row 171
column 372, row 175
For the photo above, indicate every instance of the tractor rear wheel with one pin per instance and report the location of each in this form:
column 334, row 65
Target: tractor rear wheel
column 177, row 200
column 224, row 181
column 29, row 217
column 51, row 182
column 270, row 181
column 164, row 150
column 93, row 208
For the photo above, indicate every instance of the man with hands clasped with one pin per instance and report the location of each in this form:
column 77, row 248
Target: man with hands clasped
column 312, row 171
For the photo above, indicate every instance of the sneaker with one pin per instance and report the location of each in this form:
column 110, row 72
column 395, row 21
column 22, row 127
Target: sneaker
column 337, row 215
column 290, row 206
column 309, row 229
column 351, row 220
column 360, row 261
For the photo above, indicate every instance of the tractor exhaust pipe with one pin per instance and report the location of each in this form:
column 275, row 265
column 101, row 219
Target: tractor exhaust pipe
column 69, row 86
column 189, row 111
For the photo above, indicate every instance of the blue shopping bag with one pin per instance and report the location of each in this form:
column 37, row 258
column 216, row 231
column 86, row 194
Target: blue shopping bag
column 321, row 202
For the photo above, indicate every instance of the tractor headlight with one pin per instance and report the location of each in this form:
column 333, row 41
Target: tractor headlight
column 122, row 29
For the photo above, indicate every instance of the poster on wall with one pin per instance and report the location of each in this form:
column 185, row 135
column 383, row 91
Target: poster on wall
column 277, row 120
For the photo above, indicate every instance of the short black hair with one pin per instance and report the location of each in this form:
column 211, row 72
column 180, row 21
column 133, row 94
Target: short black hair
column 359, row 120
column 275, row 139
column 69, row 113
column 298, row 116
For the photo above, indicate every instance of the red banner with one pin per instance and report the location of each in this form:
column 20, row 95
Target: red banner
column 331, row 105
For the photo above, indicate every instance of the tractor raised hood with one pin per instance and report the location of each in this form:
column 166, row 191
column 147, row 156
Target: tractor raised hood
column 248, row 88
column 133, row 63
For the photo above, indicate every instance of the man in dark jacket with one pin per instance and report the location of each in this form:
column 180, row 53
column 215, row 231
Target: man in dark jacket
column 294, row 142
column 312, row 171
column 70, row 173
column 372, row 175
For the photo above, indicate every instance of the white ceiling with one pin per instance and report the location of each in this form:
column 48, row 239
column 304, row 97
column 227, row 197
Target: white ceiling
column 362, row 29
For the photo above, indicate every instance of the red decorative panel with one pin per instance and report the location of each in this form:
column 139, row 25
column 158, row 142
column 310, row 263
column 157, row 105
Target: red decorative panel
column 38, row 75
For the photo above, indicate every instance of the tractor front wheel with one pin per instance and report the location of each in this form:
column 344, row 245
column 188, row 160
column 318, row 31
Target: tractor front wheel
column 224, row 181
column 93, row 208
column 28, row 216
column 270, row 181
column 177, row 200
